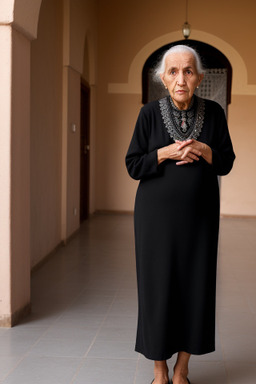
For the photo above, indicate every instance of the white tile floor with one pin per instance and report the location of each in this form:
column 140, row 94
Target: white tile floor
column 83, row 321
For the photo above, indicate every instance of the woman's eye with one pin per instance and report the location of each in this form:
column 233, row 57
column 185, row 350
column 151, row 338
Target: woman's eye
column 189, row 72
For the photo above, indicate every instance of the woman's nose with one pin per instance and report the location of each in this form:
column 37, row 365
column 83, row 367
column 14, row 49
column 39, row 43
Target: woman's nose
column 181, row 79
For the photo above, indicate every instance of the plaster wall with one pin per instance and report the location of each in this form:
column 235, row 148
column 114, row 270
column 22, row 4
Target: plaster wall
column 46, row 131
column 5, row 170
column 125, row 33
column 238, row 192
column 57, row 64
column 22, row 15
column 20, row 176
column 7, row 11
column 14, row 176
column 80, row 61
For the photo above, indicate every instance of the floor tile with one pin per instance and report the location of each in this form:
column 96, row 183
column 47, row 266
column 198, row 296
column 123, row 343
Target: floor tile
column 239, row 347
column 78, row 320
column 106, row 371
column 44, row 370
column 119, row 321
column 75, row 346
column 241, row 373
column 116, row 334
column 82, row 328
column 208, row 372
column 18, row 341
column 236, row 322
column 113, row 350
column 3, row 331
column 7, row 364
column 125, row 305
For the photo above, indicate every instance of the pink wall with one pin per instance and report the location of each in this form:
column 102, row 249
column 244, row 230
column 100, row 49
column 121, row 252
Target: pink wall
column 125, row 38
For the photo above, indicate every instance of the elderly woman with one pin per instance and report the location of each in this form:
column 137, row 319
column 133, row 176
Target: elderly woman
column 180, row 145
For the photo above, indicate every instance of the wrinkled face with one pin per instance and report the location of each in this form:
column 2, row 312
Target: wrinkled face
column 181, row 78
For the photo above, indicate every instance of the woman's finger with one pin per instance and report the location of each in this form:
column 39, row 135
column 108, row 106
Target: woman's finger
column 183, row 143
column 181, row 162
column 189, row 152
column 194, row 156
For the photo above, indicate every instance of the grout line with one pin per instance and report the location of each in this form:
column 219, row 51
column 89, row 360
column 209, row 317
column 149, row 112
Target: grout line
column 116, row 291
column 137, row 369
column 95, row 337
column 39, row 338
column 93, row 340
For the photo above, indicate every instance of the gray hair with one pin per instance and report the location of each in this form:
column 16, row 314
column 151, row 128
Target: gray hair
column 160, row 68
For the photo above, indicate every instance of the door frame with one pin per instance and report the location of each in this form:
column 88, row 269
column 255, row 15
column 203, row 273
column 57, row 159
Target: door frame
column 85, row 151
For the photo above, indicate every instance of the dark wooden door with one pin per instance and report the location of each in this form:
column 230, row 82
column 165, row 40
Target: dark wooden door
column 85, row 152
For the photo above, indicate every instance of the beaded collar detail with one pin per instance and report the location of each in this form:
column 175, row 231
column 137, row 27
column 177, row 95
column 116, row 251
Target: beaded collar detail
column 185, row 124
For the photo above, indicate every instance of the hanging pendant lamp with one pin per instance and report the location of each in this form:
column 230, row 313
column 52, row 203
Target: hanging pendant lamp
column 186, row 28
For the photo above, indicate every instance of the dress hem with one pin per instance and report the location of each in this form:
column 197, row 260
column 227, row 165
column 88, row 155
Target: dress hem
column 169, row 356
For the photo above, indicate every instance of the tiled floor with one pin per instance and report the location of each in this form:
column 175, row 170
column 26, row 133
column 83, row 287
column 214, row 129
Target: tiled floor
column 83, row 321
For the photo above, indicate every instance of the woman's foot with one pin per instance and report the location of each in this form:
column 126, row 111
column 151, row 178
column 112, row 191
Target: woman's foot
column 161, row 373
column 161, row 380
column 179, row 380
column 180, row 370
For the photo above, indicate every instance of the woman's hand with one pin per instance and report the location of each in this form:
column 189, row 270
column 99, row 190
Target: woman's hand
column 192, row 145
column 185, row 152
column 179, row 151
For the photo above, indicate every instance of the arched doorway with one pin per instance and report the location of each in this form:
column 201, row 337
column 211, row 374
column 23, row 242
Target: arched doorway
column 216, row 84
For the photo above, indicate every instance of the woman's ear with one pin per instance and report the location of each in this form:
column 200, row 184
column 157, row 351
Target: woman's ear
column 200, row 78
column 162, row 78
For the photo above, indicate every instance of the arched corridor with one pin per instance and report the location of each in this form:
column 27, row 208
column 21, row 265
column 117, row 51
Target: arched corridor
column 84, row 307
column 83, row 300
column 49, row 47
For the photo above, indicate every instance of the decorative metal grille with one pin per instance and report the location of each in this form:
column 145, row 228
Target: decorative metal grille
column 214, row 86
column 156, row 89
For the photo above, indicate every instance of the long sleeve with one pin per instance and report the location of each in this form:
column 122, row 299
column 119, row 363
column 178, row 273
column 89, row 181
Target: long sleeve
column 222, row 151
column 150, row 134
column 140, row 161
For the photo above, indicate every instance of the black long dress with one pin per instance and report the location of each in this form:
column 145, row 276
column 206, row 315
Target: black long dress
column 176, row 232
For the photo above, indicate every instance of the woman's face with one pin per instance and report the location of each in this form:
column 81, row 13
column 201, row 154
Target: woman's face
column 181, row 78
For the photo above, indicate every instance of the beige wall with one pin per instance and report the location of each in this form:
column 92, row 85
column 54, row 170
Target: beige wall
column 14, row 175
column 79, row 60
column 46, row 131
column 18, row 27
column 123, row 36
column 5, row 171
column 66, row 49
column 107, row 44
column 239, row 187
column 20, row 176
column 66, row 28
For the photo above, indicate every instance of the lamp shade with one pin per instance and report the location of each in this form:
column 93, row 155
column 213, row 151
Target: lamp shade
column 186, row 30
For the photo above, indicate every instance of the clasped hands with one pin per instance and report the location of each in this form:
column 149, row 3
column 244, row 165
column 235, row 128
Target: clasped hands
column 185, row 152
column 188, row 151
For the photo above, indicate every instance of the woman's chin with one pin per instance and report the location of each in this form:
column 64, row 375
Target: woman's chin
column 181, row 101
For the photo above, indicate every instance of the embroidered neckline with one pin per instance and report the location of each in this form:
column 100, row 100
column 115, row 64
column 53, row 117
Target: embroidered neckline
column 183, row 125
